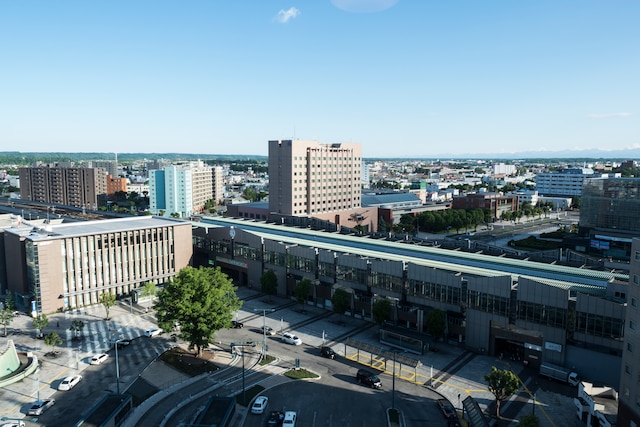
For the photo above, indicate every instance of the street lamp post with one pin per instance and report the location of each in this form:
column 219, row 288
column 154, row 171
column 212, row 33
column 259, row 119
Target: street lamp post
column 115, row 343
column 242, row 346
column 533, row 408
column 38, row 384
column 393, row 383
column 264, row 327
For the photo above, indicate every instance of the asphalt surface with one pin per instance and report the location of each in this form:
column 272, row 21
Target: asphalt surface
column 451, row 372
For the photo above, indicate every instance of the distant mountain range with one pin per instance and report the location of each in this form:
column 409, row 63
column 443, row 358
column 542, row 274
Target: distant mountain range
column 587, row 154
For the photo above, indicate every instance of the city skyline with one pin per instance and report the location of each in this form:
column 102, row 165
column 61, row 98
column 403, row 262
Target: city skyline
column 404, row 79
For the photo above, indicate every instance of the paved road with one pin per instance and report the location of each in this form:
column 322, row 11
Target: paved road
column 451, row 371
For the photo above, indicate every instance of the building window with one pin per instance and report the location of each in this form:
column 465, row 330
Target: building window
column 627, row 369
column 630, row 347
column 634, row 302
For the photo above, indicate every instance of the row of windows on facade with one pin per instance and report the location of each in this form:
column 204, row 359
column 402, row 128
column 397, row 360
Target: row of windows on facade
column 587, row 323
column 342, row 163
column 328, row 199
column 324, row 187
column 345, row 156
column 113, row 276
column 123, row 239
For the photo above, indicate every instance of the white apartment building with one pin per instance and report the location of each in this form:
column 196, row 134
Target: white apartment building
column 566, row 183
column 184, row 189
column 307, row 178
column 171, row 191
column 503, row 169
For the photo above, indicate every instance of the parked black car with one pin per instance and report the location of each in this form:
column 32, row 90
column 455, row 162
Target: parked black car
column 368, row 378
column 237, row 324
column 328, row 352
column 275, row 419
column 122, row 343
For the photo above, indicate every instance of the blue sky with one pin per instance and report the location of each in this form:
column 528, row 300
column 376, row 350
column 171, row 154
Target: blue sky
column 404, row 78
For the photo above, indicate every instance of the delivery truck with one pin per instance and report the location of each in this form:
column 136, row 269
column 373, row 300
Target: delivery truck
column 559, row 373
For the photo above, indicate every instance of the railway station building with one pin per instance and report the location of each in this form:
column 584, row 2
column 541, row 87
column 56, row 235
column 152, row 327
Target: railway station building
column 527, row 311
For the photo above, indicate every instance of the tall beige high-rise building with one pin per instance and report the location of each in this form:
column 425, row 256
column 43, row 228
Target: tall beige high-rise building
column 218, row 184
column 79, row 187
column 307, row 178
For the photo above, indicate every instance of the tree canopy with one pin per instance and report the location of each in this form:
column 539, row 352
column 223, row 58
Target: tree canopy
column 340, row 301
column 52, row 339
column 435, row 323
column 381, row 311
column 40, row 322
column 108, row 300
column 202, row 301
column 6, row 316
column 502, row 383
column 76, row 327
column 269, row 282
column 149, row 289
column 302, row 289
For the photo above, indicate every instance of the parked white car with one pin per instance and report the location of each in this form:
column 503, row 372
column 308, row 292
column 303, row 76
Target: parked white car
column 289, row 419
column 98, row 359
column 289, row 338
column 259, row 405
column 69, row 382
column 152, row 332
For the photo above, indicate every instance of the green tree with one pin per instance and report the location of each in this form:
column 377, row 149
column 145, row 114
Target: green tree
column 341, row 301
column 76, row 327
column 529, row 421
column 108, row 300
column 6, row 316
column 52, row 340
column 301, row 291
column 502, row 384
column 435, row 324
column 40, row 322
column 149, row 289
column 381, row 311
column 250, row 194
column 202, row 300
column 269, row 283
column 575, row 202
column 9, row 301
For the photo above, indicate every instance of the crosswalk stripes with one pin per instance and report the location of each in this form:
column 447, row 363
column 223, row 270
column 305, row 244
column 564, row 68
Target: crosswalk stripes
column 97, row 337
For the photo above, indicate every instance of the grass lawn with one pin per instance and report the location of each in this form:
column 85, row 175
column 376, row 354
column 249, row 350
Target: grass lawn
column 298, row 374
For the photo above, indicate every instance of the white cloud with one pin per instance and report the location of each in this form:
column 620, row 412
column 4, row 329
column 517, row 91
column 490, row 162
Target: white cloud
column 285, row 15
column 595, row 116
